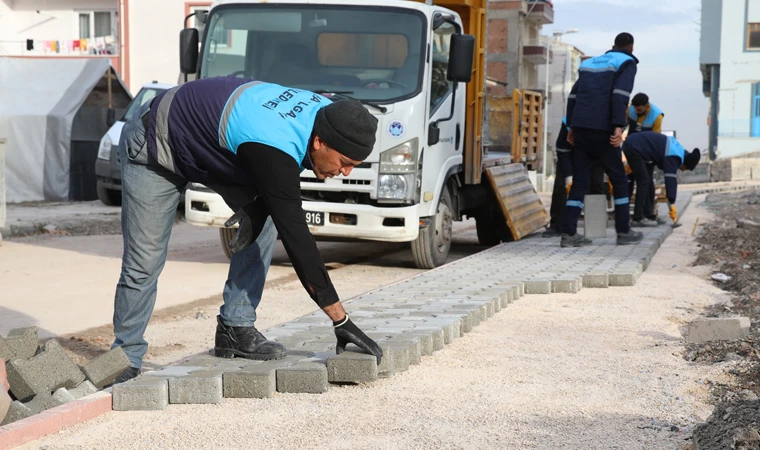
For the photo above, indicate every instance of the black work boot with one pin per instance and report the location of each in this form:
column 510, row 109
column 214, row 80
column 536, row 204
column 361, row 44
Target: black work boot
column 245, row 342
column 575, row 240
column 551, row 233
column 629, row 238
column 126, row 375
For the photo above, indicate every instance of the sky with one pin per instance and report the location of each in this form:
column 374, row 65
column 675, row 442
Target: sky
column 666, row 42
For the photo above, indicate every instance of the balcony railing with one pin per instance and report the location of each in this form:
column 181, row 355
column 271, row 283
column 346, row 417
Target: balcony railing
column 540, row 12
column 534, row 50
column 99, row 46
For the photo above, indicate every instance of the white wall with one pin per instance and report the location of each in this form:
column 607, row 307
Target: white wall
column 739, row 69
column 19, row 21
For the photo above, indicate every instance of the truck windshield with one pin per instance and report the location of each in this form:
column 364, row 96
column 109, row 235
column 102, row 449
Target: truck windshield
column 367, row 53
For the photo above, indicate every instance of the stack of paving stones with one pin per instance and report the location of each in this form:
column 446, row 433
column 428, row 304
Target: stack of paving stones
column 410, row 320
column 45, row 377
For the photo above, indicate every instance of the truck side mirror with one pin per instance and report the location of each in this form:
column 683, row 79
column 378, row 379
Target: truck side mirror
column 461, row 54
column 188, row 50
column 434, row 134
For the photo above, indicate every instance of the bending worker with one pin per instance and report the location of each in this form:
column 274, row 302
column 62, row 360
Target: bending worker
column 666, row 153
column 596, row 115
column 563, row 176
column 644, row 116
column 248, row 141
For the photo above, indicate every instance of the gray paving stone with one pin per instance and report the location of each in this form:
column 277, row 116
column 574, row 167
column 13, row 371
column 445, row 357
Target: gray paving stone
column 173, row 371
column 414, row 346
column 538, row 287
column 42, row 402
column 21, row 343
column 596, row 280
column 16, row 411
column 621, row 278
column 395, row 359
column 46, row 372
column 62, row 395
column 437, row 336
column 252, row 382
column 201, row 361
column 426, row 340
column 567, row 285
column 303, row 378
column 141, row 394
column 201, row 387
column 104, row 369
column 352, row 367
column 84, row 389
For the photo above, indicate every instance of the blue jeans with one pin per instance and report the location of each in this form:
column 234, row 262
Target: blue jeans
column 150, row 196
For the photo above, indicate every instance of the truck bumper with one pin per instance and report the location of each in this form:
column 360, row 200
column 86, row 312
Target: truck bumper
column 340, row 220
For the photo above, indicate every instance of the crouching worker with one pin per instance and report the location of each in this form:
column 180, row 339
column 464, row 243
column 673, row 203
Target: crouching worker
column 666, row 153
column 248, row 141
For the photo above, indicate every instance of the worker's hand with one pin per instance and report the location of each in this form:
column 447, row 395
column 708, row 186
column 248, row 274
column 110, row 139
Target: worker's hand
column 610, row 189
column 252, row 218
column 348, row 333
column 570, row 138
column 672, row 212
column 617, row 137
column 568, row 184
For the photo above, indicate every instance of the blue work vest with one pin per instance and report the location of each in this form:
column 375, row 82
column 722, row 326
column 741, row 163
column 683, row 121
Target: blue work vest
column 648, row 123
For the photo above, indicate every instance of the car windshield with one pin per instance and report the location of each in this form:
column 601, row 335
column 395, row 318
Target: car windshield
column 364, row 52
column 143, row 96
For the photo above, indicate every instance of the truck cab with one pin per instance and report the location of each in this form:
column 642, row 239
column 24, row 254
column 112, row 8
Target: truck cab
column 409, row 63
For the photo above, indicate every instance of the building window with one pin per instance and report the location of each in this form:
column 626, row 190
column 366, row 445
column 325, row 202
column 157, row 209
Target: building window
column 753, row 36
column 755, row 125
column 84, row 26
column 103, row 24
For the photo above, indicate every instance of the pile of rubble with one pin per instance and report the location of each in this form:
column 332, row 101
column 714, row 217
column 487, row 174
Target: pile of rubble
column 44, row 377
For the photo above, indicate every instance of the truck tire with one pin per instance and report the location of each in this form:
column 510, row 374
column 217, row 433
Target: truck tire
column 491, row 227
column 109, row 197
column 431, row 248
column 226, row 234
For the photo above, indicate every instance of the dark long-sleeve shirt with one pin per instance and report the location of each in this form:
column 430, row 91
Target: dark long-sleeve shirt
column 664, row 151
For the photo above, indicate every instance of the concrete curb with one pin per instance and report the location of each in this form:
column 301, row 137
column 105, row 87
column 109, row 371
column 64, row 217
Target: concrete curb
column 54, row 420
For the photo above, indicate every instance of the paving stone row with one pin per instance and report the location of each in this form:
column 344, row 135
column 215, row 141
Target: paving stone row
column 410, row 320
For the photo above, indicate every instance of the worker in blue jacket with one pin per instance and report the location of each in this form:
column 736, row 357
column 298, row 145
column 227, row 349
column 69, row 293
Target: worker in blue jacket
column 563, row 181
column 248, row 141
column 666, row 153
column 644, row 116
column 596, row 114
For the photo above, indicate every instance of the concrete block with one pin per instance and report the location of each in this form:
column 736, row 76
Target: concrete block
column 42, row 402
column 426, row 340
column 566, row 285
column 251, row 382
column 84, row 389
column 595, row 216
column 46, row 372
column 352, row 367
column 395, row 359
column 16, row 411
column 173, row 371
column 308, row 378
column 104, row 369
column 595, row 280
column 436, row 334
column 202, row 361
column 62, row 395
column 202, row 387
column 141, row 394
column 718, row 329
column 622, row 278
column 538, row 287
column 21, row 343
column 414, row 345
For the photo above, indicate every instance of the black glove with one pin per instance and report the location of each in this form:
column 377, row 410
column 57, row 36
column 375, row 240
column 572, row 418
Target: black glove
column 347, row 332
column 252, row 218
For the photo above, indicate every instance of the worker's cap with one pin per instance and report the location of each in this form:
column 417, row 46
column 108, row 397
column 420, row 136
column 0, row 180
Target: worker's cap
column 690, row 160
column 348, row 127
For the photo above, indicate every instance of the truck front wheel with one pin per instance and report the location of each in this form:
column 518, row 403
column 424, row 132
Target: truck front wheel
column 226, row 234
column 431, row 248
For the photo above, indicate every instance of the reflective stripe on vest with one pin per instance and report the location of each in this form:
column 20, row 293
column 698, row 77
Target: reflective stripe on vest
column 674, row 148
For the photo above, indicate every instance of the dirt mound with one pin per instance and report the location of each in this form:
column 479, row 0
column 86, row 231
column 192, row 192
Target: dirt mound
column 731, row 426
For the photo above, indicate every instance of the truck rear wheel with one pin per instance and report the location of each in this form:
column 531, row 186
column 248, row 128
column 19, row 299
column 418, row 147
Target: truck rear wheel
column 109, row 197
column 226, row 234
column 431, row 248
column 491, row 226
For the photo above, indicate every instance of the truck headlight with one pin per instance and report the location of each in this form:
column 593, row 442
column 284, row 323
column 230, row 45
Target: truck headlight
column 396, row 187
column 400, row 159
column 104, row 151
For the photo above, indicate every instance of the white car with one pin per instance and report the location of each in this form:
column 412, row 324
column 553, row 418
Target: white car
column 107, row 165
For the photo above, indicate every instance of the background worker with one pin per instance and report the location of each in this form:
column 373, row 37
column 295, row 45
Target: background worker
column 666, row 153
column 644, row 116
column 248, row 141
column 563, row 181
column 596, row 114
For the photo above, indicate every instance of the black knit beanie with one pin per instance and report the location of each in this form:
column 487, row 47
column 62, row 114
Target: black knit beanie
column 690, row 160
column 348, row 127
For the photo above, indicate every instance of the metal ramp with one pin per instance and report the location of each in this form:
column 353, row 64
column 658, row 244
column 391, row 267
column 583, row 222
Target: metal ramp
column 518, row 199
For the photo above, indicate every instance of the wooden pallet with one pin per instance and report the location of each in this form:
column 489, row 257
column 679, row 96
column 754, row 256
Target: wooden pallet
column 518, row 199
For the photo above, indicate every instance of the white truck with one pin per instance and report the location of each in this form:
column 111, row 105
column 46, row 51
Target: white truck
column 420, row 70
